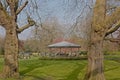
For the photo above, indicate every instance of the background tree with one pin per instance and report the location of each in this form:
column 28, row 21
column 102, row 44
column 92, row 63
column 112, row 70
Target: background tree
column 9, row 11
column 45, row 35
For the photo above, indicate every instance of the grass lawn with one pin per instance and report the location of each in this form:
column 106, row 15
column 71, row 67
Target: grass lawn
column 35, row 69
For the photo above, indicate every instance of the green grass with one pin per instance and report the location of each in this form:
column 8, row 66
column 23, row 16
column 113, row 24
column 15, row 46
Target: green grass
column 35, row 69
column 52, row 69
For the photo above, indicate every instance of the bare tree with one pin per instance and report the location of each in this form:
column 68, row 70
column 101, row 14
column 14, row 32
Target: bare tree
column 46, row 34
column 9, row 10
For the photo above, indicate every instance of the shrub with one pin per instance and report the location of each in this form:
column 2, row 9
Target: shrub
column 83, row 53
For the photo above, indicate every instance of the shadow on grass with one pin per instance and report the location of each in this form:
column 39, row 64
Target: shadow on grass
column 113, row 58
column 33, row 77
column 74, row 74
column 117, row 60
column 111, row 69
column 32, row 67
column 115, row 79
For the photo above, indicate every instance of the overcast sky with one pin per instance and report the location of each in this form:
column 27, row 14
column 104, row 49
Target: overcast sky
column 65, row 10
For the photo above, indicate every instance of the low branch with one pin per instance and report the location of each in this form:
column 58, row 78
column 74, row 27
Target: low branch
column 112, row 39
column 113, row 29
column 30, row 23
column 23, row 28
column 22, row 7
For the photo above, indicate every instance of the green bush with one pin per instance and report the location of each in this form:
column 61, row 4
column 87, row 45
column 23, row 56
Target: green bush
column 83, row 52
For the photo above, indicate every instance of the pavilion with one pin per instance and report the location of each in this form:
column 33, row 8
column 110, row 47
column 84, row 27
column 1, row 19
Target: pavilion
column 63, row 46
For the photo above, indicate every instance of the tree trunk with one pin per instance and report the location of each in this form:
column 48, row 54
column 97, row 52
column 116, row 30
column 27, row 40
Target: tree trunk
column 95, row 55
column 95, row 59
column 8, row 19
column 11, row 53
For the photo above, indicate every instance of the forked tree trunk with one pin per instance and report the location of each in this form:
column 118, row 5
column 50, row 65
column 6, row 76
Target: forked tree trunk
column 11, row 53
column 95, row 60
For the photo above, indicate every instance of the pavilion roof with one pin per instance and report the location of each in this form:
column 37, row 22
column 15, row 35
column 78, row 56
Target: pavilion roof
column 64, row 44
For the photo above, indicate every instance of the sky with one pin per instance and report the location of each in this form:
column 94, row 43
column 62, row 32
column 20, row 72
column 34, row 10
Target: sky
column 66, row 11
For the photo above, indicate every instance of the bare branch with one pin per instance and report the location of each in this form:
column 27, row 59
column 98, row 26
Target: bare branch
column 4, row 17
column 112, row 39
column 112, row 19
column 1, row 6
column 30, row 23
column 13, row 4
column 23, row 28
column 21, row 8
column 113, row 29
column 8, row 2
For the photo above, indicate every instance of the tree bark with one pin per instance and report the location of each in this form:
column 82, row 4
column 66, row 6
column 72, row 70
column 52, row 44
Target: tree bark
column 11, row 53
column 95, row 70
column 95, row 55
column 8, row 20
